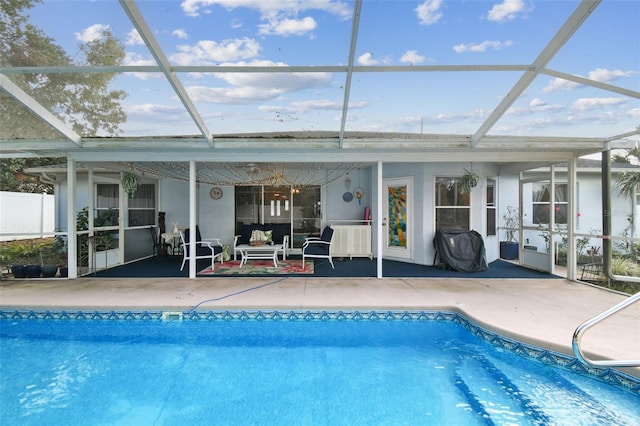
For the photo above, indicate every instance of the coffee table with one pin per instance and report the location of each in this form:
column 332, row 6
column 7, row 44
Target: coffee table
column 266, row 251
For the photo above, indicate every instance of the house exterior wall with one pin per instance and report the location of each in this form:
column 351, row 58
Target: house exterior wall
column 217, row 217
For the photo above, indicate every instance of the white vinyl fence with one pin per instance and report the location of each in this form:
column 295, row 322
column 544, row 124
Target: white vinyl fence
column 24, row 216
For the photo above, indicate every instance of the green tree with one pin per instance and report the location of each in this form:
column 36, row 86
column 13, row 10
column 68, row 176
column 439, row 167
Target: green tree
column 82, row 100
column 627, row 182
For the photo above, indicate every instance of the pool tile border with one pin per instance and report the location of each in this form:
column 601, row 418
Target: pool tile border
column 608, row 375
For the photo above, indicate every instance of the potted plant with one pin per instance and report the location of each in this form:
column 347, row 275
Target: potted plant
column 53, row 255
column 511, row 225
column 15, row 254
column 130, row 182
column 468, row 180
column 33, row 266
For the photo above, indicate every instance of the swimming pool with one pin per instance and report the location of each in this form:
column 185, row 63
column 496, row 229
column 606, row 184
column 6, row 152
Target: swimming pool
column 272, row 367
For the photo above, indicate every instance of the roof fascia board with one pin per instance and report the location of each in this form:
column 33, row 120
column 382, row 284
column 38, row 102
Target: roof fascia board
column 335, row 156
column 449, row 143
column 565, row 32
column 21, row 96
column 145, row 33
column 352, row 53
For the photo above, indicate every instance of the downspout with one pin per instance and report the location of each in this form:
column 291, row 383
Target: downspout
column 606, row 221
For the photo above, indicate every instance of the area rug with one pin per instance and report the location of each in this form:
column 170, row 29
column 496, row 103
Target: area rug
column 260, row 267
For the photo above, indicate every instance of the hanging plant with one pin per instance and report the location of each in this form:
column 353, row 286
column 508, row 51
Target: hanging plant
column 130, row 182
column 468, row 180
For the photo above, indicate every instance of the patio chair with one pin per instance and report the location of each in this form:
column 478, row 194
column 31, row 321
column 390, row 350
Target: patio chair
column 157, row 244
column 204, row 249
column 318, row 247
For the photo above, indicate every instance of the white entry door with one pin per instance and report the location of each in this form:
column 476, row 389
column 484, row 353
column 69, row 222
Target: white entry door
column 397, row 217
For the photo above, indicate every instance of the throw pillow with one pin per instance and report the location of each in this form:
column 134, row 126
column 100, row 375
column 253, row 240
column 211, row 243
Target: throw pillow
column 258, row 236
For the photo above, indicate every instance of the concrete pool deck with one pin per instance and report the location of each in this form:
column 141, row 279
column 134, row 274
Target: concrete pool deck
column 541, row 312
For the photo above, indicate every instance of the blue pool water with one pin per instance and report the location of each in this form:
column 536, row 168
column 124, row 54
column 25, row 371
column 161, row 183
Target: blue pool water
column 257, row 370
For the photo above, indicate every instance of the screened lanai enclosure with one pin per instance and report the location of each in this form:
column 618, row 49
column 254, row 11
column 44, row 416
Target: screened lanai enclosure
column 311, row 113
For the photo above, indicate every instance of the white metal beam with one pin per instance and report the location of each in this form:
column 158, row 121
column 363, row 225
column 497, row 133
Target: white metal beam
column 52, row 69
column 574, row 22
column 21, row 96
column 145, row 33
column 352, row 53
column 593, row 83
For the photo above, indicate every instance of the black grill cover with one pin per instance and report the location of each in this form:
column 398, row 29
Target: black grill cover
column 461, row 250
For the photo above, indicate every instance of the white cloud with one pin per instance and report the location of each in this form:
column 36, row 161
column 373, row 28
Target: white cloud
column 536, row 105
column 429, row 12
column 209, row 52
column 269, row 8
column 560, row 84
column 149, row 111
column 476, row 115
column 506, row 11
column 287, row 26
column 256, row 87
column 584, row 104
column 604, row 75
column 312, row 105
column 94, row 32
column 635, row 112
column 481, row 47
column 285, row 82
column 367, row 59
column 233, row 95
column 180, row 33
column 412, row 57
column 133, row 38
column 132, row 59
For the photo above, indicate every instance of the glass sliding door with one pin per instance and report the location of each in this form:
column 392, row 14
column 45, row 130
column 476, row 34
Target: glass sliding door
column 248, row 206
column 307, row 213
column 298, row 207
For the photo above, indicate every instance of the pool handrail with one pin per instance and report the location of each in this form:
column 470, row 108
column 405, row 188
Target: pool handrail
column 578, row 333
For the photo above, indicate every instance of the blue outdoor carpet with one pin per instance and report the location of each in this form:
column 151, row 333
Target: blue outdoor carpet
column 354, row 268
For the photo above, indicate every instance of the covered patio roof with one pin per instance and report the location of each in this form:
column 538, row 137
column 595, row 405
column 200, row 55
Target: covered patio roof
column 342, row 81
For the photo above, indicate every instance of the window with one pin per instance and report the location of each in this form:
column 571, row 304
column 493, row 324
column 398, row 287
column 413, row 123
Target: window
column 142, row 206
column 106, row 205
column 542, row 203
column 491, row 207
column 453, row 206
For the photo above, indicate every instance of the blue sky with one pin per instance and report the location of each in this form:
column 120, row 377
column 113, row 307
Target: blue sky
column 433, row 32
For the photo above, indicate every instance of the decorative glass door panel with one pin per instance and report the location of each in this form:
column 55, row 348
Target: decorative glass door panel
column 397, row 217
column 397, row 228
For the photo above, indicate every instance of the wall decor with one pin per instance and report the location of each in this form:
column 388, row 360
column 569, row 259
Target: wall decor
column 215, row 193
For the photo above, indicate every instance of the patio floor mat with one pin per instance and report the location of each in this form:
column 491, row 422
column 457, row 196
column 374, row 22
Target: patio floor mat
column 260, row 267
